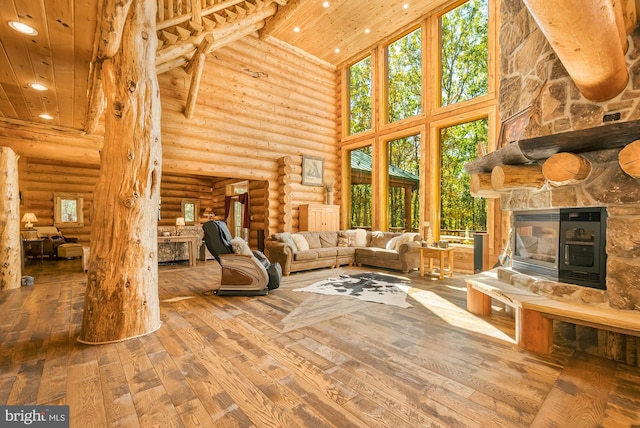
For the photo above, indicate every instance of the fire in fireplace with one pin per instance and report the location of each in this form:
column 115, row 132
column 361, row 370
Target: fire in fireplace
column 566, row 245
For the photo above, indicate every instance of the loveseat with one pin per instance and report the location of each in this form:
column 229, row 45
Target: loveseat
column 311, row 250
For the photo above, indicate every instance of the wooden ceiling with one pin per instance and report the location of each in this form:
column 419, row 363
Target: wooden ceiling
column 60, row 55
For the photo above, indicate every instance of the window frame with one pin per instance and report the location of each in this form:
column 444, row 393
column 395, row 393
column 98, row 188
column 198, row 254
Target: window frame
column 196, row 211
column 58, row 199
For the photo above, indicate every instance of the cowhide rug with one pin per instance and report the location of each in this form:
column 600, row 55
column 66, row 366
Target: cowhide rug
column 368, row 286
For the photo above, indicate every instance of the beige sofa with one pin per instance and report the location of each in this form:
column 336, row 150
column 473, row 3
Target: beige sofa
column 398, row 251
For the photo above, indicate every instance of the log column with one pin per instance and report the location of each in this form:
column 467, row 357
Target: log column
column 121, row 298
column 10, row 252
column 284, row 180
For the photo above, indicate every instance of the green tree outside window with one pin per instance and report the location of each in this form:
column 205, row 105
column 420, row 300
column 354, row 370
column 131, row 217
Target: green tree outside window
column 404, row 77
column 465, row 52
column 459, row 210
column 360, row 96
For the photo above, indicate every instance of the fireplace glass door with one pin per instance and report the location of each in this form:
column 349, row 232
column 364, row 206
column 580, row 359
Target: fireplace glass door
column 535, row 245
column 582, row 250
column 579, row 246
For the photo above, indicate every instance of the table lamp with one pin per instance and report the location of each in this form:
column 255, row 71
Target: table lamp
column 29, row 219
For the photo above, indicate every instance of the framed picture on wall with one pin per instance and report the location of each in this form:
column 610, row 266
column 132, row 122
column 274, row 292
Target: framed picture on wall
column 513, row 128
column 312, row 171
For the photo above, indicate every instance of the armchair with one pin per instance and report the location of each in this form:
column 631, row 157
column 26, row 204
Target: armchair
column 54, row 243
column 242, row 274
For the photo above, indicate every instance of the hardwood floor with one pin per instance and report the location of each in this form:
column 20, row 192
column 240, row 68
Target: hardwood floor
column 297, row 359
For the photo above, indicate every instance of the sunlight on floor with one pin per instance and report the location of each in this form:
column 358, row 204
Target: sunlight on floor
column 453, row 315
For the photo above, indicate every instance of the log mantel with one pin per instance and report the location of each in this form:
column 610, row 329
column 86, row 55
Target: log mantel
column 608, row 136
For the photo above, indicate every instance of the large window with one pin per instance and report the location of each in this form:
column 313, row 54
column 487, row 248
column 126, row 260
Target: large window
column 360, row 96
column 404, row 77
column 464, row 56
column 418, row 95
column 460, row 212
column 360, row 189
column 403, row 158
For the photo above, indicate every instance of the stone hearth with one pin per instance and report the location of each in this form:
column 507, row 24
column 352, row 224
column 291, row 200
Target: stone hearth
column 532, row 77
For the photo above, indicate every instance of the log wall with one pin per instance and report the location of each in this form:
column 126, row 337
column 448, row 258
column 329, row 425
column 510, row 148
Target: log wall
column 40, row 179
column 258, row 102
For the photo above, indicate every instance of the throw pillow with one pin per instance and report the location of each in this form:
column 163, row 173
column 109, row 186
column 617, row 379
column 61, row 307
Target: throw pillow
column 393, row 243
column 361, row 238
column 343, row 241
column 287, row 239
column 300, row 241
column 239, row 246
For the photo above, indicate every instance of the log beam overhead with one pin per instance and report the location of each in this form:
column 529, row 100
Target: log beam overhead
column 590, row 41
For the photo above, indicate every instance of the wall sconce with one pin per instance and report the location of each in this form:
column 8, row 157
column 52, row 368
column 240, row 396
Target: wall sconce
column 179, row 222
column 29, row 219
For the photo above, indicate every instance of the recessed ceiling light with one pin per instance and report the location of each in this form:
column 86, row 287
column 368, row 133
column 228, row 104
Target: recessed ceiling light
column 367, row 30
column 38, row 87
column 337, row 50
column 23, row 28
column 45, row 116
column 405, row 6
column 326, row 4
column 296, row 29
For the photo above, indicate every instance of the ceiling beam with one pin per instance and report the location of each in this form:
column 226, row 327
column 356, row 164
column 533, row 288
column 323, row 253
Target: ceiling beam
column 281, row 15
column 195, row 66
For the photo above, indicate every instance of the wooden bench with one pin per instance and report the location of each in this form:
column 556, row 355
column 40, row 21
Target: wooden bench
column 534, row 313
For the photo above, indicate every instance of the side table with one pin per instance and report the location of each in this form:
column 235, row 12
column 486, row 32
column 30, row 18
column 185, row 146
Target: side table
column 439, row 253
column 33, row 248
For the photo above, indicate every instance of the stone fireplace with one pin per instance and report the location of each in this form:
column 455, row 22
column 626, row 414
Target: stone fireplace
column 533, row 79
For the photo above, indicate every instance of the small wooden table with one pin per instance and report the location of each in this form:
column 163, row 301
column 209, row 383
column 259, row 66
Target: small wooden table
column 435, row 252
column 33, row 248
column 191, row 240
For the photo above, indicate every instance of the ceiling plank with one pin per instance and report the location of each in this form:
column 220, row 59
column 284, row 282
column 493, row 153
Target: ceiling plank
column 8, row 82
column 60, row 25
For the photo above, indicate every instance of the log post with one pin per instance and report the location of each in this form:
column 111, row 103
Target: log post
column 10, row 251
column 121, row 299
column 566, row 168
column 629, row 159
column 507, row 177
column 481, row 186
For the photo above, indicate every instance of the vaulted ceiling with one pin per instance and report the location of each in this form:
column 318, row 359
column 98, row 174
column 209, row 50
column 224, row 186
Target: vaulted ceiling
column 60, row 55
